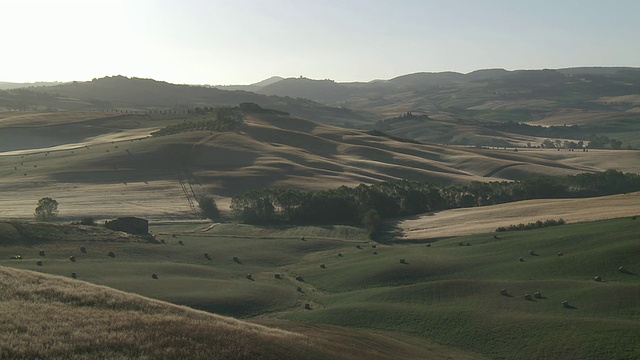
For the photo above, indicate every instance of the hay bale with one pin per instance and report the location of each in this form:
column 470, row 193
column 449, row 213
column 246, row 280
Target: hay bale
column 622, row 269
column 307, row 306
column 527, row 296
column 560, row 253
column 565, row 304
column 302, row 238
column 504, row 292
column 111, row 254
column 249, row 277
column 180, row 242
column 299, row 278
column 74, row 275
column 537, row 295
column 403, row 261
column 83, row 250
column 154, row 276
column 235, row 258
column 339, row 254
column 174, row 236
column 162, row 241
column 41, row 253
column 72, row 258
column 429, row 245
column 39, row 263
column 323, row 266
column 597, row 278
column 277, row 276
column 521, row 259
column 532, row 253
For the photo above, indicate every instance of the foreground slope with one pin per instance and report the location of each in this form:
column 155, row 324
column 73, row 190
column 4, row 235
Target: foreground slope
column 46, row 316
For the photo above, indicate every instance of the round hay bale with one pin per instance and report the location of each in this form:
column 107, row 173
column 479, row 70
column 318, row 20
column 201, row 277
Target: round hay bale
column 428, row 245
column 537, row 295
column 560, row 253
column 74, row 275
column 302, row 238
column 521, row 259
column 299, row 278
column 622, row 269
column 249, row 277
column 154, row 276
column 403, row 261
column 277, row 276
column 532, row 253
column 565, row 304
column 235, row 258
column 83, row 250
column 504, row 292
column 41, row 253
column 39, row 263
column 111, row 254
column 72, row 258
column 597, row 278
column 527, row 296
column 323, row 266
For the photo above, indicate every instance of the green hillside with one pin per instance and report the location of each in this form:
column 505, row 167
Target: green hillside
column 444, row 292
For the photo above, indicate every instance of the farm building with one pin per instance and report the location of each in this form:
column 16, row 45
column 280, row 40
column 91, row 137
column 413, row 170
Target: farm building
column 131, row 225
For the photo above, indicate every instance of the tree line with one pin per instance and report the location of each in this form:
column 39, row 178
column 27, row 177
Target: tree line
column 363, row 204
column 224, row 119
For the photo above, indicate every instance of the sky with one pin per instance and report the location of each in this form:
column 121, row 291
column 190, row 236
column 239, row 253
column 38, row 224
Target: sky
column 222, row 42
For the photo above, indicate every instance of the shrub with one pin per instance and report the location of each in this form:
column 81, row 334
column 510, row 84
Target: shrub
column 209, row 208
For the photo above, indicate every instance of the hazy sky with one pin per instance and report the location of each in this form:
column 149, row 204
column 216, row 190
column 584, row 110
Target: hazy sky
column 245, row 41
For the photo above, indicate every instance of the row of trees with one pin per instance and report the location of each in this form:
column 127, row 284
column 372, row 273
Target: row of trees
column 362, row 205
column 224, row 119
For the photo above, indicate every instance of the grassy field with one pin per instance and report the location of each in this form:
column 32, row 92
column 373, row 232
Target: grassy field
column 444, row 294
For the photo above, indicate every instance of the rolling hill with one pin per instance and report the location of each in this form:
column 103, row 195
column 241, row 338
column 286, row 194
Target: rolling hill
column 104, row 165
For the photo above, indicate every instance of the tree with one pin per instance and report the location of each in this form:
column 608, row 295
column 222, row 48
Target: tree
column 372, row 222
column 47, row 209
column 209, row 208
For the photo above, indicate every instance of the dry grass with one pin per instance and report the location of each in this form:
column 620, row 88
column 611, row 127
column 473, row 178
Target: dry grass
column 487, row 218
column 44, row 316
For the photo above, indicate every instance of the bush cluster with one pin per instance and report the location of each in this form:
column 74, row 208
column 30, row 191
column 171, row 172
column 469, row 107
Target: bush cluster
column 530, row 226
